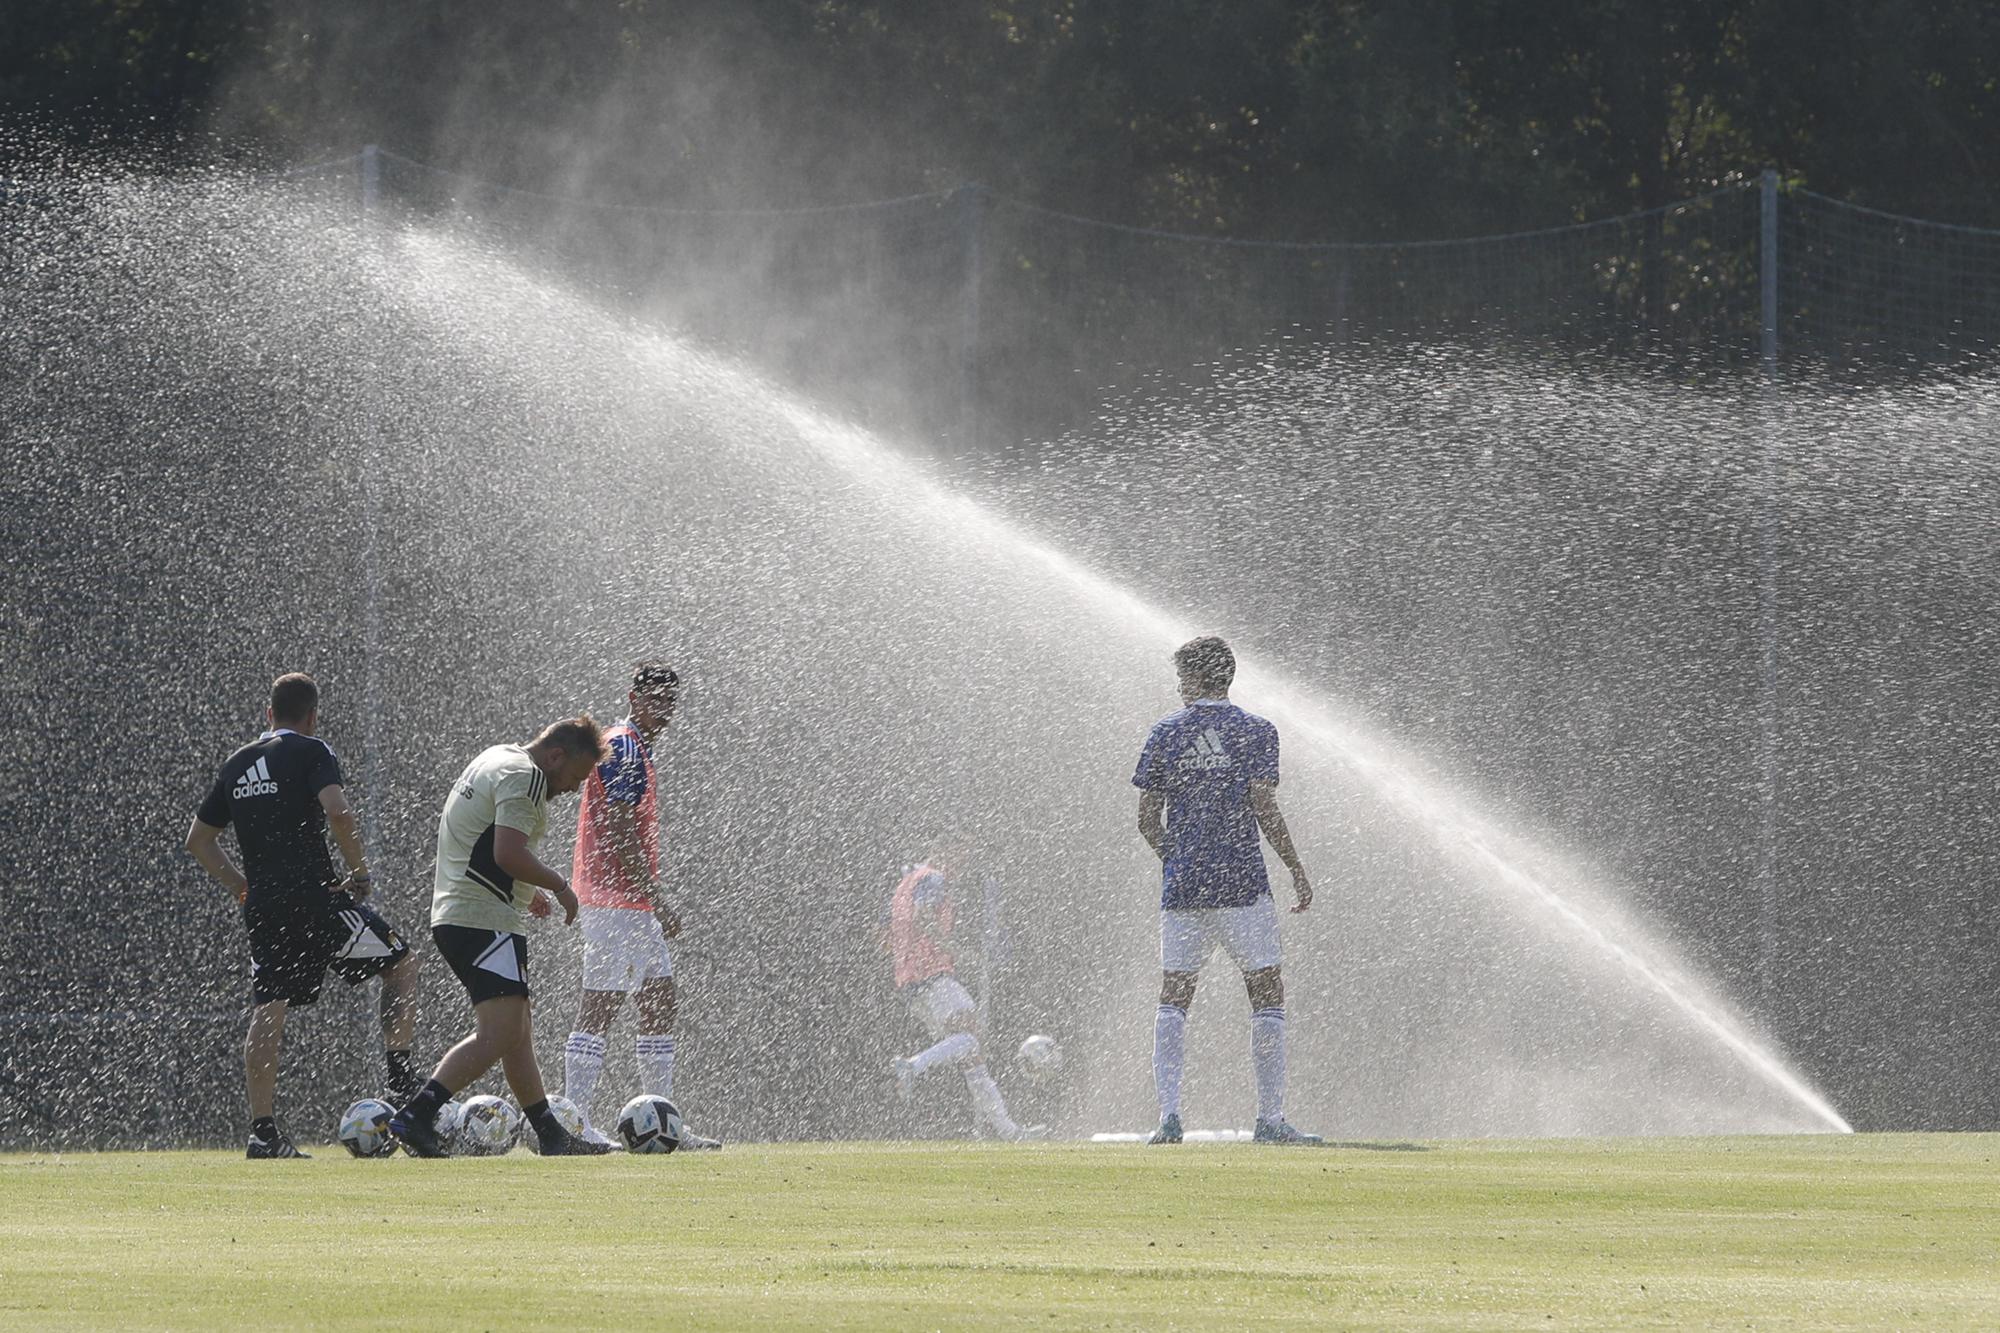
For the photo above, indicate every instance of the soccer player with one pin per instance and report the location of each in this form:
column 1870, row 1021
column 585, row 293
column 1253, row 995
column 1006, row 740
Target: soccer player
column 487, row 876
column 626, row 918
column 920, row 933
column 282, row 792
column 1213, row 769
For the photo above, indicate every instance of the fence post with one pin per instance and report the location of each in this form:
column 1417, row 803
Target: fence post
column 1767, row 269
column 972, row 227
column 371, row 767
column 1767, row 597
column 371, row 554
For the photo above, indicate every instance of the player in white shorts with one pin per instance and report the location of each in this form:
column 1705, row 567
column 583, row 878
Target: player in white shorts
column 1212, row 769
column 919, row 937
column 625, row 917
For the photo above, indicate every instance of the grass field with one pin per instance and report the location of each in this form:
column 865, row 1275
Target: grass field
column 1891, row 1231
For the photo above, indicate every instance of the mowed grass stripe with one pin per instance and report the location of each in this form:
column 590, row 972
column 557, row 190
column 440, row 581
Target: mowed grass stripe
column 1891, row 1230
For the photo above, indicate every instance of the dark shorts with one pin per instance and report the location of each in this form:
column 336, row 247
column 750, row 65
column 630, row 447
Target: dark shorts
column 296, row 937
column 489, row 963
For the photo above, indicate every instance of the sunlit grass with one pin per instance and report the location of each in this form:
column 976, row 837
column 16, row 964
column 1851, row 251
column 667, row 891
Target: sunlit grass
column 1797, row 1232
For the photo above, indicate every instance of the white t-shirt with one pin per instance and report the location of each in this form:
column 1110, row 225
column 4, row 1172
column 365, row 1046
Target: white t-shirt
column 502, row 786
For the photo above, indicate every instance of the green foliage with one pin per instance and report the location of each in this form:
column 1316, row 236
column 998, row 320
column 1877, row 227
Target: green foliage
column 1321, row 119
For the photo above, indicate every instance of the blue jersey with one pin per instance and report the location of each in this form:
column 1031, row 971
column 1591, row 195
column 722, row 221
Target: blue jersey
column 1203, row 759
column 624, row 773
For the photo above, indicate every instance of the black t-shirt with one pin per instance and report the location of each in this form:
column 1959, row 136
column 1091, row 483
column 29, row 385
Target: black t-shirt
column 270, row 790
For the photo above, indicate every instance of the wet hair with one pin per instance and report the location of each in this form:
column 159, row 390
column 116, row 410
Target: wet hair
column 1208, row 660
column 655, row 678
column 294, row 696
column 580, row 736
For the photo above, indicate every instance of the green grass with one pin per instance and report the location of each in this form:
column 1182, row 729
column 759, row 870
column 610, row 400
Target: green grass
column 1893, row 1230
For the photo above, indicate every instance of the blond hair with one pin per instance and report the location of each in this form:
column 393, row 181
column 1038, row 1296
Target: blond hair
column 580, row 735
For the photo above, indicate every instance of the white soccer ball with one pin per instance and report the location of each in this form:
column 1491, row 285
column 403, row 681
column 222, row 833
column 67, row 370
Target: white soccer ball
column 449, row 1117
column 1040, row 1056
column 650, row 1124
column 566, row 1114
column 364, row 1128
column 488, row 1128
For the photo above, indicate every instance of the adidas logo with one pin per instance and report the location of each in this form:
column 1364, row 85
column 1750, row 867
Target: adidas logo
column 256, row 781
column 1205, row 754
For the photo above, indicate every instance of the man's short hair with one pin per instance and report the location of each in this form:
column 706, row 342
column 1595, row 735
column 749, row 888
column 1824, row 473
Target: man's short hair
column 655, row 678
column 578, row 736
column 294, row 696
column 1208, row 660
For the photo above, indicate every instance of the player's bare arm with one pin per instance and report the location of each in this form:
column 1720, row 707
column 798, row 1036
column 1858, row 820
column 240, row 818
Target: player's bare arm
column 345, row 825
column 513, row 855
column 1264, row 804
column 205, row 846
column 1152, row 805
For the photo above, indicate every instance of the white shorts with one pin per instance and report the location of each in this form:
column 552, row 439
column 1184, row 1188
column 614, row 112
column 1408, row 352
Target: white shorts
column 937, row 1002
column 1249, row 935
column 623, row 948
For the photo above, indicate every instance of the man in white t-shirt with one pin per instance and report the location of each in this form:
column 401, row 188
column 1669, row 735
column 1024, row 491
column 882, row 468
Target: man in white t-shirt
column 488, row 877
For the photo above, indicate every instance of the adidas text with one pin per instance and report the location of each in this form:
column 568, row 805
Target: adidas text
column 1206, row 753
column 256, row 781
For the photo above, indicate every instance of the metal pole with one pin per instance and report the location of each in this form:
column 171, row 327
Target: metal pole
column 989, row 949
column 1768, row 271
column 972, row 224
column 371, row 178
column 1768, row 908
column 371, row 561
column 372, row 767
column 1340, row 293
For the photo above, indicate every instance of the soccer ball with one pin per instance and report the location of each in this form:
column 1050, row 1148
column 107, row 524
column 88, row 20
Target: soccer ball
column 488, row 1128
column 1040, row 1056
column 364, row 1128
column 565, row 1112
column 650, row 1124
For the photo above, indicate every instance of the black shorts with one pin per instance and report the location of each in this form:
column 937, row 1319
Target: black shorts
column 489, row 963
column 295, row 937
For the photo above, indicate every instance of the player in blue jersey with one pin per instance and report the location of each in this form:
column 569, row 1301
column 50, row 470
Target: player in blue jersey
column 1212, row 770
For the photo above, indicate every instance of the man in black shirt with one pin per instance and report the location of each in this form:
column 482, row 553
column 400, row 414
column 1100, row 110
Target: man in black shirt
column 282, row 792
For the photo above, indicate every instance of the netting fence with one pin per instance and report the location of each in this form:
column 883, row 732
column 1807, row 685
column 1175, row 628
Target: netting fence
column 985, row 323
column 981, row 321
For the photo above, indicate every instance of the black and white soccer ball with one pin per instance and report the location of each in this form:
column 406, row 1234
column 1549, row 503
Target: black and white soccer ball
column 566, row 1114
column 488, row 1128
column 364, row 1128
column 1040, row 1056
column 650, row 1124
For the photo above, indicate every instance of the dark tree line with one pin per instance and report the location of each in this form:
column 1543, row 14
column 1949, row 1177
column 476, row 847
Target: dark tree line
column 1269, row 118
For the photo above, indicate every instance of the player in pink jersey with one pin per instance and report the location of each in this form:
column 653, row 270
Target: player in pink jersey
column 625, row 917
column 919, row 940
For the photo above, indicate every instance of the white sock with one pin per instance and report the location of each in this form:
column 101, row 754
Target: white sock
column 953, row 1048
column 1169, row 1047
column 583, row 1061
column 656, row 1064
column 1267, row 1055
column 987, row 1102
